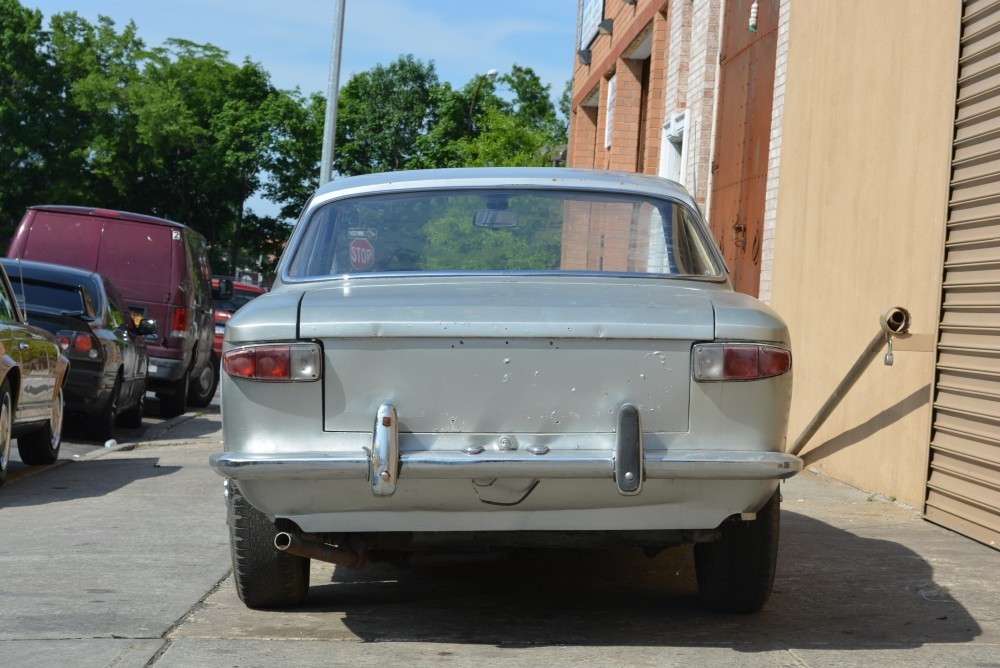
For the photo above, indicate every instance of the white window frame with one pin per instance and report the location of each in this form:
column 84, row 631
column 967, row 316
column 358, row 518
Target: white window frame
column 589, row 15
column 674, row 148
column 609, row 116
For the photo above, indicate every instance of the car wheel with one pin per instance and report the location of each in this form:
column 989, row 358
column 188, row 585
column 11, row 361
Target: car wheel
column 265, row 577
column 6, row 416
column 132, row 418
column 42, row 445
column 172, row 405
column 204, row 384
column 102, row 425
column 736, row 572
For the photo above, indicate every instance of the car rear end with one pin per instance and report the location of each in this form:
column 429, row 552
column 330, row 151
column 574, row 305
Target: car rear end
column 521, row 417
column 504, row 358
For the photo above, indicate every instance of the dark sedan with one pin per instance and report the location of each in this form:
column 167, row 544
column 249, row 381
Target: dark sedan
column 97, row 332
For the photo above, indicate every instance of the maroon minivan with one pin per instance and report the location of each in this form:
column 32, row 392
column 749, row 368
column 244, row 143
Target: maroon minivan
column 161, row 269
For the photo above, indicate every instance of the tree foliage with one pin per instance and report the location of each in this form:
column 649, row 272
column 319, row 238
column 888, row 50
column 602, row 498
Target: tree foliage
column 402, row 117
column 90, row 115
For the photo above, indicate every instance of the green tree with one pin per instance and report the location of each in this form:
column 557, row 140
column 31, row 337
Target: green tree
column 34, row 157
column 401, row 117
column 381, row 114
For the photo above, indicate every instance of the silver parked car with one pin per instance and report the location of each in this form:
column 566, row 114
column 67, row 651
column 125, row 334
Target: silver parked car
column 503, row 357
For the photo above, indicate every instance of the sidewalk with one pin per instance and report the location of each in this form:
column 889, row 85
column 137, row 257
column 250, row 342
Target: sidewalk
column 124, row 560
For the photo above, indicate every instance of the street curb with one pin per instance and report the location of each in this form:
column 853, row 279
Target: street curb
column 148, row 438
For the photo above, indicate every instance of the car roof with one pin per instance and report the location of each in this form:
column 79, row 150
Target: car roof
column 40, row 268
column 499, row 177
column 105, row 213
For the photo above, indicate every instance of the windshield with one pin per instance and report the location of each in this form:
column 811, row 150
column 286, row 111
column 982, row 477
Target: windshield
column 503, row 230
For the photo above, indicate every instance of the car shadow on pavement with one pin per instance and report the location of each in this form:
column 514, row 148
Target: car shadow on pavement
column 833, row 589
column 82, row 480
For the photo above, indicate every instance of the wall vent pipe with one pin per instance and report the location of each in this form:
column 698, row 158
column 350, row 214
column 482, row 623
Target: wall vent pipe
column 892, row 322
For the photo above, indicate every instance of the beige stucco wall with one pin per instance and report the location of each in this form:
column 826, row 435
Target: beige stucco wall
column 862, row 194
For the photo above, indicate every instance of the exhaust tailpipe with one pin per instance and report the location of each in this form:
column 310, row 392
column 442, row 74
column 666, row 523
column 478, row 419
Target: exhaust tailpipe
column 311, row 549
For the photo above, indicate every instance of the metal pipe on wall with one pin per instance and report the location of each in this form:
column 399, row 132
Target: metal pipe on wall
column 893, row 321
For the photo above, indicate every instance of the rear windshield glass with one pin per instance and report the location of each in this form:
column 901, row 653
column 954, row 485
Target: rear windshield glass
column 72, row 299
column 503, row 230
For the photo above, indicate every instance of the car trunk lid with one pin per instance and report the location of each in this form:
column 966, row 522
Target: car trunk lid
column 506, row 355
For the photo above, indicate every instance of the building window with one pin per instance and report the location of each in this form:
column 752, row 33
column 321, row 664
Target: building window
column 609, row 117
column 589, row 15
column 673, row 157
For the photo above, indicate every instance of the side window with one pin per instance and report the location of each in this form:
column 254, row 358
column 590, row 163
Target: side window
column 118, row 313
column 7, row 310
column 197, row 263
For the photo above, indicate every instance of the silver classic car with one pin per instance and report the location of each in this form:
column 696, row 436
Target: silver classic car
column 502, row 358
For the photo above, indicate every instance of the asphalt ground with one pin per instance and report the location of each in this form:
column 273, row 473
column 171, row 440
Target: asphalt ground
column 121, row 558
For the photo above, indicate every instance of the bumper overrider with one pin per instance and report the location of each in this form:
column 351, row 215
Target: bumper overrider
column 626, row 463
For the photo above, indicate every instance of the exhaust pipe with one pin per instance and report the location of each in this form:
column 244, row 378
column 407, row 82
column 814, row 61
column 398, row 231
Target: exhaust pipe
column 893, row 321
column 311, row 549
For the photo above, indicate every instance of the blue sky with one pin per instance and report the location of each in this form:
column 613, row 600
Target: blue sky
column 292, row 39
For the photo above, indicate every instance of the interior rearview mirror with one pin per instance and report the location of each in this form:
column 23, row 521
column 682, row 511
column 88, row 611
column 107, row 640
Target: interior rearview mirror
column 494, row 219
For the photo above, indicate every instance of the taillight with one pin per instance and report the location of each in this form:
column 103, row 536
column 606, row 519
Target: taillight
column 739, row 361
column 274, row 362
column 79, row 344
column 179, row 323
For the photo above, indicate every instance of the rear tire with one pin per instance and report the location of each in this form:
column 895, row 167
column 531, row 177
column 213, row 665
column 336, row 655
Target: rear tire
column 102, row 425
column 736, row 572
column 203, row 386
column 42, row 445
column 172, row 405
column 132, row 418
column 6, row 419
column 265, row 577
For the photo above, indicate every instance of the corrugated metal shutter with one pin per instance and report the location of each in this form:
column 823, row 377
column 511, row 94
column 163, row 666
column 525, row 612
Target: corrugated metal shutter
column 963, row 488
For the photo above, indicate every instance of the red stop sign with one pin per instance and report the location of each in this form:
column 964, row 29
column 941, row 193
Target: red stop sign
column 362, row 254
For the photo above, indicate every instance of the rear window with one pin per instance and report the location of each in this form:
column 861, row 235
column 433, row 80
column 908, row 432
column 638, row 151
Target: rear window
column 70, row 299
column 137, row 257
column 65, row 239
column 503, row 231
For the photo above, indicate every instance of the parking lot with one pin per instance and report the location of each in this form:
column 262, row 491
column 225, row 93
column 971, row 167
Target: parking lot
column 120, row 557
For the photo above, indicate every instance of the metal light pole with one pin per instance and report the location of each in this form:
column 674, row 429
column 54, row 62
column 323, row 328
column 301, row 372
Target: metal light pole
column 491, row 75
column 332, row 95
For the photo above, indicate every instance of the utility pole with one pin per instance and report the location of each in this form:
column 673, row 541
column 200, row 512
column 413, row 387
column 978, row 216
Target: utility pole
column 332, row 95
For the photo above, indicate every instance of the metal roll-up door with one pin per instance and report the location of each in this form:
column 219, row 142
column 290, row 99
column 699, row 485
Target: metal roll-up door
column 963, row 487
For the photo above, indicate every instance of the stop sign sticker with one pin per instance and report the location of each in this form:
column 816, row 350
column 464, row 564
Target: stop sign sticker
column 362, row 254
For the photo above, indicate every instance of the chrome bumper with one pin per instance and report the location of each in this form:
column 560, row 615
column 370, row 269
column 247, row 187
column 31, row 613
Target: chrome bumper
column 437, row 465
column 628, row 464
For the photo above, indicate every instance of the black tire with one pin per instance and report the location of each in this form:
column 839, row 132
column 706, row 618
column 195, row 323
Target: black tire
column 102, row 425
column 6, row 420
column 131, row 418
column 203, row 386
column 265, row 577
column 174, row 404
column 41, row 446
column 736, row 572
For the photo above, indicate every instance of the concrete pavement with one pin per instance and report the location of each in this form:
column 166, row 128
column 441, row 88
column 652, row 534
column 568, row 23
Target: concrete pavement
column 123, row 560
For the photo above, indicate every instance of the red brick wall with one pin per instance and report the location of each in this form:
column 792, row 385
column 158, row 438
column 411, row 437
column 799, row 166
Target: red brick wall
column 595, row 237
column 610, row 56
